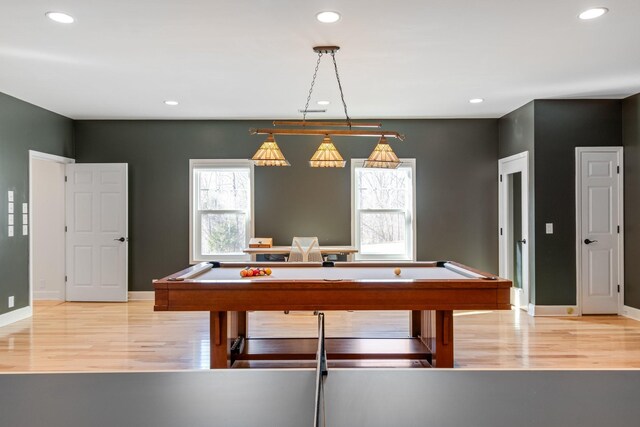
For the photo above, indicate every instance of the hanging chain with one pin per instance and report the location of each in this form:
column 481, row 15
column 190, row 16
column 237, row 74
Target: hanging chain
column 313, row 82
column 315, row 73
column 335, row 65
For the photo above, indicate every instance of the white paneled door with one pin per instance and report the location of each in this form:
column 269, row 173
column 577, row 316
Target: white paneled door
column 96, row 200
column 600, row 224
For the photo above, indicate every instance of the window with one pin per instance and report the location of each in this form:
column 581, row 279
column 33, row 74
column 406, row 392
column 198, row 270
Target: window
column 383, row 211
column 221, row 209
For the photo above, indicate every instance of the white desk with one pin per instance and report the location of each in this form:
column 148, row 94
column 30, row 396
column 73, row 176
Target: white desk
column 285, row 250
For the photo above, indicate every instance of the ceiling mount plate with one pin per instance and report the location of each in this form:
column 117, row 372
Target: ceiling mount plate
column 326, row 49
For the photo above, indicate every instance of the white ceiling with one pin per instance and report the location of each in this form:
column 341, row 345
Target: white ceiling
column 254, row 59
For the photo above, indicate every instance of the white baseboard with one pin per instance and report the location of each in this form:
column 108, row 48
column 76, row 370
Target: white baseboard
column 553, row 310
column 630, row 312
column 15, row 315
column 48, row 295
column 141, row 295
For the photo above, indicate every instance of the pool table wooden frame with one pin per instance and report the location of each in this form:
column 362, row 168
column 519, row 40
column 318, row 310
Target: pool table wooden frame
column 431, row 302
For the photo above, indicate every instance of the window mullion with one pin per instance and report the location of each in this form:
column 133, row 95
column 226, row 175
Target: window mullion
column 222, row 211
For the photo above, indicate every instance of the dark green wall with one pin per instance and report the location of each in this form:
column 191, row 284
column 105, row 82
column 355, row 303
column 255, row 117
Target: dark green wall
column 516, row 135
column 456, row 182
column 631, row 138
column 23, row 127
column 551, row 130
column 560, row 127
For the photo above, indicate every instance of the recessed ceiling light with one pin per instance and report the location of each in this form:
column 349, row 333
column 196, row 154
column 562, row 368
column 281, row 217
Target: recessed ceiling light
column 593, row 13
column 476, row 100
column 172, row 103
column 60, row 17
column 328, row 17
column 323, row 103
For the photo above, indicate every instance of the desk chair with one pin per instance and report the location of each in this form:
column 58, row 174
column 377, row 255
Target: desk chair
column 305, row 249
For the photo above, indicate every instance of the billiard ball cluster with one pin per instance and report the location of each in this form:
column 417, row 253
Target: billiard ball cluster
column 255, row 271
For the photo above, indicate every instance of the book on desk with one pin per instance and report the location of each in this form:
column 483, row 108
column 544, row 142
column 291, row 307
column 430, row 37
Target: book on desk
column 261, row 242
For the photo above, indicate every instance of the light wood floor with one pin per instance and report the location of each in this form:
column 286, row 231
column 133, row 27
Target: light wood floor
column 130, row 336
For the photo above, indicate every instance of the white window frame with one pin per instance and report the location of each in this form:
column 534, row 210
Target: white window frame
column 355, row 224
column 194, row 222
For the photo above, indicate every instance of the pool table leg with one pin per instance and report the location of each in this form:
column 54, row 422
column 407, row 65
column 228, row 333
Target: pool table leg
column 238, row 322
column 218, row 339
column 436, row 330
column 416, row 323
column 444, row 339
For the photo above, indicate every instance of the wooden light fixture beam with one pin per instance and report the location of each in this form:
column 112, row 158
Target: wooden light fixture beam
column 336, row 132
column 307, row 123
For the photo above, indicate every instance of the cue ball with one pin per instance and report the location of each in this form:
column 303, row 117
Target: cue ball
column 397, row 271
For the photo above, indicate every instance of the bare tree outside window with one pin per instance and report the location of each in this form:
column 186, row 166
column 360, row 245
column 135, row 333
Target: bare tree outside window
column 223, row 204
column 223, row 233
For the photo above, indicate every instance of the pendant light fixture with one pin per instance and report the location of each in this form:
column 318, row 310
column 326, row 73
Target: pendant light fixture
column 327, row 155
column 382, row 156
column 269, row 154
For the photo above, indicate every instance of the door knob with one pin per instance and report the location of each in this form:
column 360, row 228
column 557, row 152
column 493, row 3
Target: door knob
column 523, row 241
column 122, row 239
column 588, row 242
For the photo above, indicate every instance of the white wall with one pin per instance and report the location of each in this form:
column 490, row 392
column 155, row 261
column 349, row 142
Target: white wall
column 48, row 218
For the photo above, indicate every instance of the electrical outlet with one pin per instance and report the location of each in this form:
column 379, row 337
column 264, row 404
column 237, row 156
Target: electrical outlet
column 12, row 301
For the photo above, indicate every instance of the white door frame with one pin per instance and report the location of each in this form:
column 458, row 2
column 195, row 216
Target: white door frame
column 37, row 155
column 506, row 166
column 620, row 153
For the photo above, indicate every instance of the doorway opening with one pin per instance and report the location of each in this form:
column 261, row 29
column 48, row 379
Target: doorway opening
column 513, row 196
column 47, row 221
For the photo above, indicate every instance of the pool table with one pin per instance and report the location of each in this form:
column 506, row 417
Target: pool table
column 430, row 290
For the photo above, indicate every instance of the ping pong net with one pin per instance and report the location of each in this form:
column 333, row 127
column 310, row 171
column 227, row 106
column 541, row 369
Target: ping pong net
column 321, row 374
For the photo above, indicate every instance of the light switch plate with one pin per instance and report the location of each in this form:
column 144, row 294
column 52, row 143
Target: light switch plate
column 10, row 231
column 10, row 208
column 25, row 208
column 549, row 227
column 10, row 195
